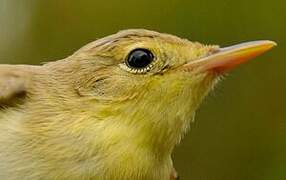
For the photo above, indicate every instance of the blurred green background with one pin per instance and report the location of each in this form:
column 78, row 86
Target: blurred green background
column 240, row 130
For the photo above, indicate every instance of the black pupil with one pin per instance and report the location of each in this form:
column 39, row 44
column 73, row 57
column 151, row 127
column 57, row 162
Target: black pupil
column 139, row 58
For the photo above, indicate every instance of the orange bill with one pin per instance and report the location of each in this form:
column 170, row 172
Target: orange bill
column 229, row 57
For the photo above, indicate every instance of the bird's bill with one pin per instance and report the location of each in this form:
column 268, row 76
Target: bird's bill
column 229, row 57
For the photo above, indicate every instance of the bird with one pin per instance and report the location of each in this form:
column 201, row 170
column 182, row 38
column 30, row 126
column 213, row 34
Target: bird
column 113, row 110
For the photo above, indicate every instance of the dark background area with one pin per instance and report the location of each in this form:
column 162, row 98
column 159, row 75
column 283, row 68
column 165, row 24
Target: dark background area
column 240, row 130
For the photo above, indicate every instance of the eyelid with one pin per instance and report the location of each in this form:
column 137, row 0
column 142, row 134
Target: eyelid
column 138, row 71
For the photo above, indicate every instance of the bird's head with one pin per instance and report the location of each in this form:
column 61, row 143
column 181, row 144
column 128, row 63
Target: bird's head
column 146, row 86
column 117, row 106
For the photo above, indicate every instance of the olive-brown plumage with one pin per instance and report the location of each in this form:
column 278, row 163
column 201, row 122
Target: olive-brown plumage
column 114, row 110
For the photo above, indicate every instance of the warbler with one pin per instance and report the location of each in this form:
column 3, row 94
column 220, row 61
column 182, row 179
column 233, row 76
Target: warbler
column 113, row 110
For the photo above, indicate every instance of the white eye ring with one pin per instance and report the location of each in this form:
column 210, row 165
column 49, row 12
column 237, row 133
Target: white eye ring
column 139, row 61
column 136, row 71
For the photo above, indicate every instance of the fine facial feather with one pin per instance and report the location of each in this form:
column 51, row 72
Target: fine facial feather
column 91, row 117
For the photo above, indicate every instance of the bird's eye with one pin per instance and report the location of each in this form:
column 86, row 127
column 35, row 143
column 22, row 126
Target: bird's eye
column 139, row 58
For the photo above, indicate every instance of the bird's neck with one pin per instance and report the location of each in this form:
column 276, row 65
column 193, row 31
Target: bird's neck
column 151, row 133
column 126, row 140
column 134, row 149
